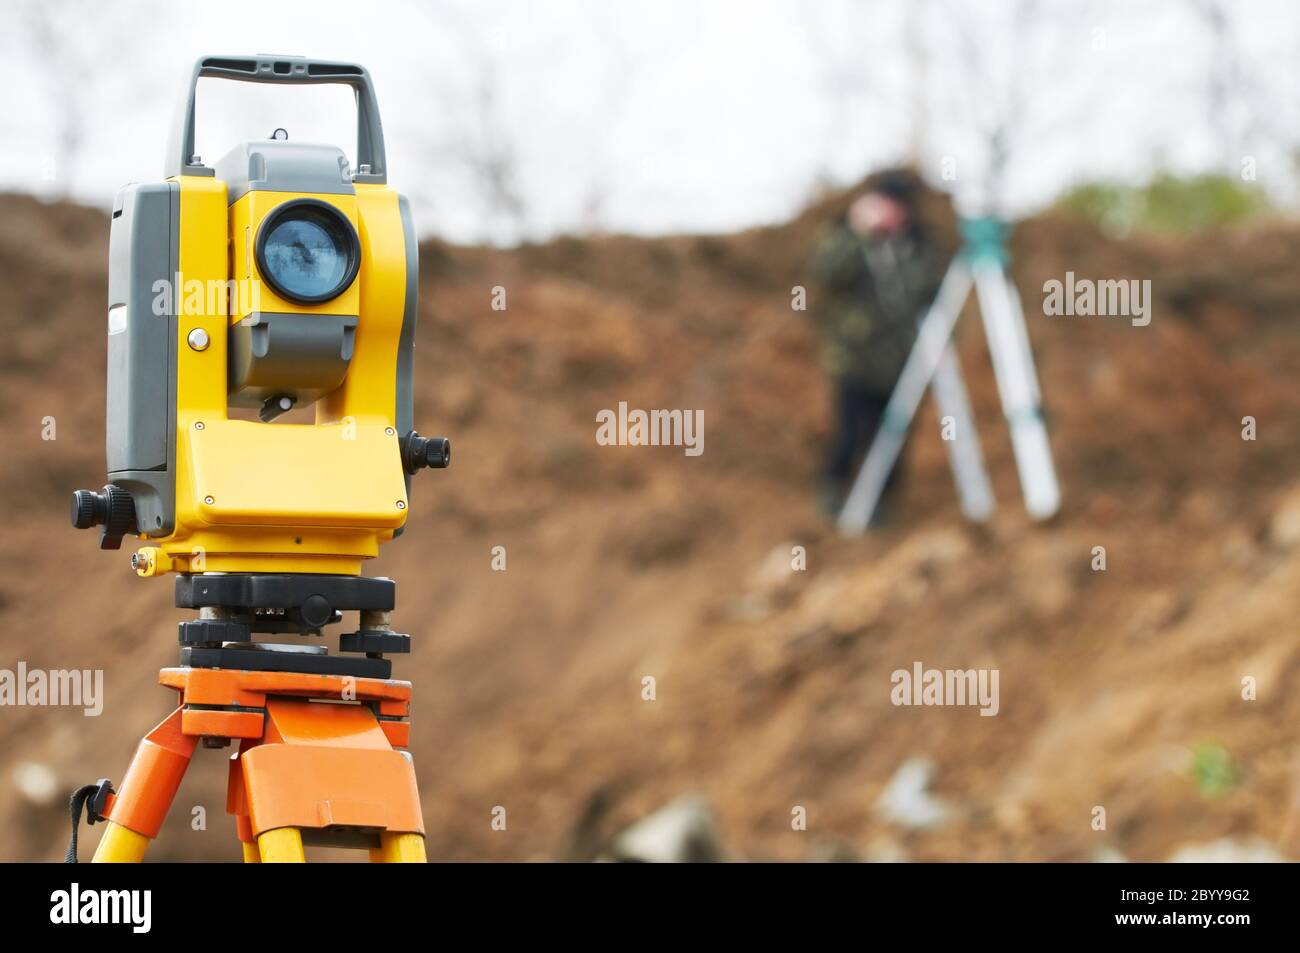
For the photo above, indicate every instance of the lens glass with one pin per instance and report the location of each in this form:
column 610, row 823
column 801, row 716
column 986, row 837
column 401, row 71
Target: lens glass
column 307, row 254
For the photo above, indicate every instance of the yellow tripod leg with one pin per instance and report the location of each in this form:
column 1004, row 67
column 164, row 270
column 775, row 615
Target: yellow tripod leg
column 252, row 855
column 399, row 849
column 120, row 845
column 281, row 846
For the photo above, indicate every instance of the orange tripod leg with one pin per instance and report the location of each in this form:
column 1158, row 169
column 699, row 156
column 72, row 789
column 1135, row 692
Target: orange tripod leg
column 136, row 813
column 321, row 767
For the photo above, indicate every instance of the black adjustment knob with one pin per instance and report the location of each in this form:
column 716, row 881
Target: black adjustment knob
column 375, row 641
column 113, row 509
column 437, row 453
column 121, row 517
column 316, row 611
column 420, row 452
column 88, row 509
column 212, row 631
column 273, row 407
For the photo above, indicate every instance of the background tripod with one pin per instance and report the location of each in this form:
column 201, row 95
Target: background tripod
column 932, row 362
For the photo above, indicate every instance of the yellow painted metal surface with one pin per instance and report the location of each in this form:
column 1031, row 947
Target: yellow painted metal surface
column 120, row 845
column 282, row 846
column 246, row 216
column 400, row 849
column 259, row 497
column 253, row 474
column 370, row 389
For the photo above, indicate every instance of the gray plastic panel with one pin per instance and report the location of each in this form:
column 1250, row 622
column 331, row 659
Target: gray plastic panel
column 298, row 355
column 140, row 406
column 139, row 254
column 404, row 412
column 276, row 165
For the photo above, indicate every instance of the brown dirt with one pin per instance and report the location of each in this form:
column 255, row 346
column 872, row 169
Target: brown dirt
column 772, row 688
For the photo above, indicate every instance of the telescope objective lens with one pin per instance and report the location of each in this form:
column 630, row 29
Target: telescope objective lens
column 307, row 251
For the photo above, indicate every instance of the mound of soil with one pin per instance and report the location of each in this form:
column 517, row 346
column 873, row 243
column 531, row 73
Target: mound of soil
column 771, row 687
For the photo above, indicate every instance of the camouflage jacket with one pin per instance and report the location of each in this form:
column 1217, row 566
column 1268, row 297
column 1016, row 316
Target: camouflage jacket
column 869, row 296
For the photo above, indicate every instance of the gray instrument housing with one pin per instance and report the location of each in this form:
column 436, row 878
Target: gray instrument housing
column 143, row 258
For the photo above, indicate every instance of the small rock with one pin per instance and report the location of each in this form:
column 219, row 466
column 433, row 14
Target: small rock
column 907, row 801
column 684, row 831
column 768, row 587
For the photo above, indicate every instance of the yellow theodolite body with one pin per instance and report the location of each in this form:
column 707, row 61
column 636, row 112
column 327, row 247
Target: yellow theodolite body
column 268, row 497
column 212, row 492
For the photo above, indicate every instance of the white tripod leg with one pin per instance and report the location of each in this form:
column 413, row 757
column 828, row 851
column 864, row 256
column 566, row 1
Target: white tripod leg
column 1018, row 386
column 964, row 453
column 931, row 341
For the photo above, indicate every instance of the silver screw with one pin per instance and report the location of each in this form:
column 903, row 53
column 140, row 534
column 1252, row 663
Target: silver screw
column 209, row 500
column 198, row 339
column 401, row 504
column 198, row 425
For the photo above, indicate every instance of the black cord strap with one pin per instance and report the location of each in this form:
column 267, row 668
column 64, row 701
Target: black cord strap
column 93, row 797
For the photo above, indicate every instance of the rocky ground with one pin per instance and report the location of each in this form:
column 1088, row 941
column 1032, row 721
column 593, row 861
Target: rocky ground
column 1119, row 689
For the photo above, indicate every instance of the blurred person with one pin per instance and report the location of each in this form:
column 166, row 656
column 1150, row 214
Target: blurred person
column 876, row 270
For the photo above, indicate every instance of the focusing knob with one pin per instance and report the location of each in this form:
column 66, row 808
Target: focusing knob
column 420, row 452
column 437, row 453
column 112, row 508
column 88, row 509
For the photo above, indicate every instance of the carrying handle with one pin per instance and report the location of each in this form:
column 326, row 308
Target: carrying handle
column 291, row 70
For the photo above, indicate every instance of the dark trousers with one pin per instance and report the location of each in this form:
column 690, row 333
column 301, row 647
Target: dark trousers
column 858, row 412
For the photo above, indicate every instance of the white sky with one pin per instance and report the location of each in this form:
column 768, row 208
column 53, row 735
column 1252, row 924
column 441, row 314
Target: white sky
column 655, row 116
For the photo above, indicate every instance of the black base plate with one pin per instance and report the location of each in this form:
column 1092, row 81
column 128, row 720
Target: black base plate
column 282, row 602
column 283, row 591
column 259, row 660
